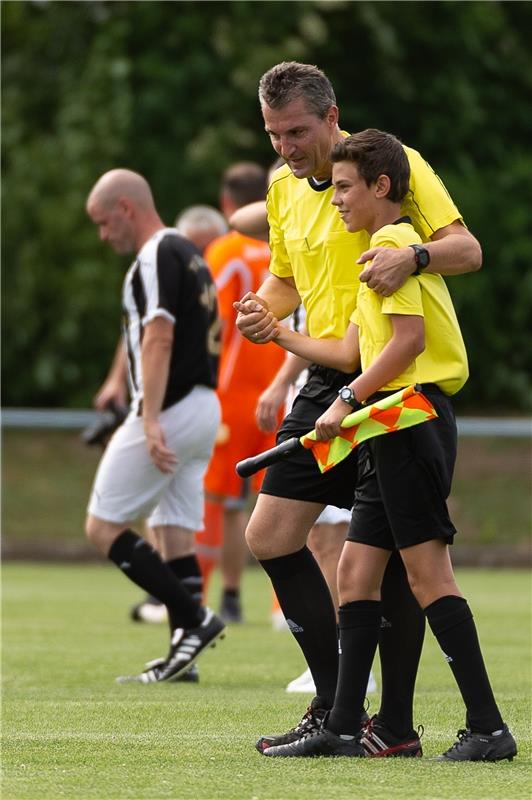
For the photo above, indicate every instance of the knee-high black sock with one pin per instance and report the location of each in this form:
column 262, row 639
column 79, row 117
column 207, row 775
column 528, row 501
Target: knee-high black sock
column 141, row 564
column 358, row 625
column 452, row 623
column 400, row 644
column 307, row 605
column 188, row 571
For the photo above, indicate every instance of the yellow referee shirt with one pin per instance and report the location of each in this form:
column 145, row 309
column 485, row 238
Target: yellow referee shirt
column 444, row 360
column 310, row 244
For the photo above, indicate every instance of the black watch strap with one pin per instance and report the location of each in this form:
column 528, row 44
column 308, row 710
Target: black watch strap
column 346, row 394
column 421, row 256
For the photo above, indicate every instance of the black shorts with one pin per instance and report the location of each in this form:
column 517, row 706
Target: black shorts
column 404, row 482
column 299, row 477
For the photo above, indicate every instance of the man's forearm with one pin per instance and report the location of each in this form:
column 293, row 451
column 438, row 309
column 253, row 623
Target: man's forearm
column 454, row 253
column 280, row 295
column 155, row 369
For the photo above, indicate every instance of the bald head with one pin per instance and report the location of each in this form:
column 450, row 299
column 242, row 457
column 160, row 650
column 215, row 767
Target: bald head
column 121, row 183
column 121, row 204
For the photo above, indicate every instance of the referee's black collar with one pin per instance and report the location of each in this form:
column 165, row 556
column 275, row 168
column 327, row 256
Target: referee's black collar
column 321, row 186
column 401, row 220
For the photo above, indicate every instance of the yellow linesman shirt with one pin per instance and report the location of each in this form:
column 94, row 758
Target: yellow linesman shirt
column 444, row 360
column 310, row 244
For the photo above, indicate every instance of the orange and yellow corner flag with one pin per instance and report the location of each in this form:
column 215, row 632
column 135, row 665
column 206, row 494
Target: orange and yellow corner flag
column 400, row 410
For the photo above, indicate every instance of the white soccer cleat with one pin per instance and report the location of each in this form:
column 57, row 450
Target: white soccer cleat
column 278, row 621
column 304, row 683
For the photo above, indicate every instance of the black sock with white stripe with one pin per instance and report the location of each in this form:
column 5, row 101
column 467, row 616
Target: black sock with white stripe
column 358, row 626
column 400, row 643
column 142, row 564
column 307, row 605
column 453, row 626
column 187, row 570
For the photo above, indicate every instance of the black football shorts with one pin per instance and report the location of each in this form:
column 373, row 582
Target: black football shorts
column 404, row 482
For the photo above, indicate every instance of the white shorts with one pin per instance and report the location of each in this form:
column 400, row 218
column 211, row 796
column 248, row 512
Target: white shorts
column 333, row 516
column 128, row 485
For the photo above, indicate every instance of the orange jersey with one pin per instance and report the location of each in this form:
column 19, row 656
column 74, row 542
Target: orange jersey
column 239, row 265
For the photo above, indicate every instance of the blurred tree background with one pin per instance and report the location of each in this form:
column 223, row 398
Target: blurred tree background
column 169, row 89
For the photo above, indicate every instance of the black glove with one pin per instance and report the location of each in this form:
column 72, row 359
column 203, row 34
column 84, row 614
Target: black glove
column 101, row 431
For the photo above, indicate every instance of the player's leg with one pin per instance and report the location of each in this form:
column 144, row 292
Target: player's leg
column 401, row 640
column 149, row 609
column 234, row 557
column 127, row 486
column 359, row 576
column 276, row 534
column 326, row 541
column 176, row 545
column 139, row 562
column 293, row 494
column 209, row 540
column 431, row 576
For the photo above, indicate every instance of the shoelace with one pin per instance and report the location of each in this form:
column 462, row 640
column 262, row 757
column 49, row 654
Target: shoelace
column 308, row 719
column 367, row 728
column 463, row 736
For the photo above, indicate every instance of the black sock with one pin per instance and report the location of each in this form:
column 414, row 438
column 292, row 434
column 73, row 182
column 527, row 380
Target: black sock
column 188, row 571
column 400, row 644
column 358, row 624
column 235, row 593
column 141, row 564
column 452, row 623
column 307, row 605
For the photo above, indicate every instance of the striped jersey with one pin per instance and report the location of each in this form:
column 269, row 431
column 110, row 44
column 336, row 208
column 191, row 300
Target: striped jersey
column 170, row 279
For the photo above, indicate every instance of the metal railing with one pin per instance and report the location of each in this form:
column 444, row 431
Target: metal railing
column 514, row 427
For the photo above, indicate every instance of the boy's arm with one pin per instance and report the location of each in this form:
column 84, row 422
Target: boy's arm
column 407, row 342
column 341, row 354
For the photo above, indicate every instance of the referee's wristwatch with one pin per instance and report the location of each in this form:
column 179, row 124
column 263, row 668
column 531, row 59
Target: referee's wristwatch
column 346, row 394
column 421, row 257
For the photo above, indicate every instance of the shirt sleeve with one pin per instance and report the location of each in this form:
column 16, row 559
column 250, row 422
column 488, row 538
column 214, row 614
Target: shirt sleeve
column 162, row 282
column 428, row 203
column 407, row 299
column 279, row 261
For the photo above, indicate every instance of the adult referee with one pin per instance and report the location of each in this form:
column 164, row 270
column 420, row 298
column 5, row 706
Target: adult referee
column 155, row 462
column 314, row 261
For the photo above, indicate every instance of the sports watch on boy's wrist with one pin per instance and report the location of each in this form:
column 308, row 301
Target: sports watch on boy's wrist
column 421, row 256
column 346, row 394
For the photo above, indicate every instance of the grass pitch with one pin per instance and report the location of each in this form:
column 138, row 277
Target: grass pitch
column 71, row 732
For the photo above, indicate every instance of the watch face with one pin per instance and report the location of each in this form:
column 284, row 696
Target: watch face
column 346, row 395
column 423, row 257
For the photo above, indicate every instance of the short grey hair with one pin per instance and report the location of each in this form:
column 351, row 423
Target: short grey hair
column 201, row 218
column 290, row 80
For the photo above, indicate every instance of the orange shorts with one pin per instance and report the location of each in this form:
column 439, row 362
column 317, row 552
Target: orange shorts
column 239, row 438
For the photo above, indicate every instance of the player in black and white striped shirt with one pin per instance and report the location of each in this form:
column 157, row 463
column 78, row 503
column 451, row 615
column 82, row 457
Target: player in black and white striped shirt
column 155, row 462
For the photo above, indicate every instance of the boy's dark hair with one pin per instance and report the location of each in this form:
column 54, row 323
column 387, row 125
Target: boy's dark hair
column 245, row 182
column 376, row 153
column 290, row 80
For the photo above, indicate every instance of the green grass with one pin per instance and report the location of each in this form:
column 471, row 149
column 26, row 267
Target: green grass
column 71, row 732
column 49, row 470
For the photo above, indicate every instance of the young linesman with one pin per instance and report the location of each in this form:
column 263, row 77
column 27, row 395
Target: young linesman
column 412, row 336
